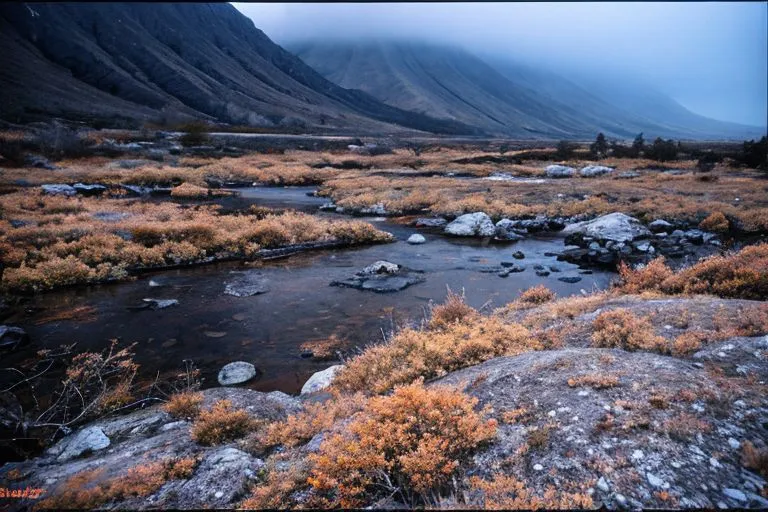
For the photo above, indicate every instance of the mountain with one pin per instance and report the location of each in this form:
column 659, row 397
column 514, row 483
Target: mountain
column 131, row 62
column 501, row 96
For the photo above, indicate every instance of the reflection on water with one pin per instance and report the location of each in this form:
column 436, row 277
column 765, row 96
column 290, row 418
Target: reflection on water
column 212, row 328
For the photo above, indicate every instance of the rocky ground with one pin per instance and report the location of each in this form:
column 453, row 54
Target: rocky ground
column 627, row 429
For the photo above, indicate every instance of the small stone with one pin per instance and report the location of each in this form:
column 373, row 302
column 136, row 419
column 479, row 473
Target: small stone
column 551, row 414
column 416, row 239
column 603, row 485
column 219, row 494
column 714, row 462
column 320, row 380
column 236, row 373
column 620, row 499
column 538, row 467
column 637, row 455
column 734, row 443
column 518, row 255
column 735, row 494
column 654, row 480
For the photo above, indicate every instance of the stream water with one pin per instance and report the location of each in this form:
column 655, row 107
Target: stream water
column 212, row 328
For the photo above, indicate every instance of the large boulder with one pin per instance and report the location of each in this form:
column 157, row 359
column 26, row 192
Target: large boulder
column 591, row 171
column 559, row 171
column 471, row 224
column 508, row 230
column 236, row 373
column 615, row 227
column 58, row 189
column 321, row 380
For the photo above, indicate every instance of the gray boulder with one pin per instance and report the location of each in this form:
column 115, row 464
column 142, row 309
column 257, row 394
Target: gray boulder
column 661, row 226
column 616, row 227
column 471, row 224
column 591, row 171
column 416, row 239
column 93, row 189
column 321, row 380
column 236, row 373
column 380, row 267
column 59, row 189
column 559, row 171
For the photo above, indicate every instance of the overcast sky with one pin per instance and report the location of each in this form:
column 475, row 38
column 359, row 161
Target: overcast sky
column 711, row 57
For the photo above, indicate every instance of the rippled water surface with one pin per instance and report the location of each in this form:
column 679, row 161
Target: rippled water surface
column 212, row 328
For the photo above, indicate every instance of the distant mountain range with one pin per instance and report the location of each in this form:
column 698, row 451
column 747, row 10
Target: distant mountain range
column 129, row 63
column 503, row 97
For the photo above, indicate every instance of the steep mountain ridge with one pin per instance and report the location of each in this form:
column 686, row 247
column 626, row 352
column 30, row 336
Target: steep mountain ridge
column 502, row 96
column 143, row 61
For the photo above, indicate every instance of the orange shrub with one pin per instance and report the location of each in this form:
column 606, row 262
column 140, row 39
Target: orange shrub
column 619, row 328
column 454, row 309
column 415, row 440
column 184, row 405
column 537, row 295
column 594, row 381
column 221, row 423
column 689, row 342
column 715, row 222
column 506, row 492
column 755, row 458
column 684, row 426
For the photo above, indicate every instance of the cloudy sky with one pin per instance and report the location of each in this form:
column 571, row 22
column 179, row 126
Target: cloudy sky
column 711, row 57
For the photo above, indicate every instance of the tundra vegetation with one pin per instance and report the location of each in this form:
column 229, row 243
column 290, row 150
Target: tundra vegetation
column 384, row 432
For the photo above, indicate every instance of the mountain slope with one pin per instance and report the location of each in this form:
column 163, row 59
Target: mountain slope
column 498, row 95
column 141, row 61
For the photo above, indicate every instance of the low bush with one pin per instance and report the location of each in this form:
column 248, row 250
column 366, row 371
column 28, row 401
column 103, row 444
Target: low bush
column 453, row 310
column 410, row 443
column 507, row 492
column 221, row 423
column 184, row 405
column 715, row 222
column 619, row 328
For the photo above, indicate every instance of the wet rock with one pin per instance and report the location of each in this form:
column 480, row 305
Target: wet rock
column 518, row 255
column 247, row 284
column 559, row 171
column 626, row 175
column 381, row 277
column 59, row 189
column 93, row 189
column 12, row 337
column 376, row 209
column 511, row 266
column 381, row 267
column 321, row 380
column 694, row 236
column 569, row 279
column 507, row 230
column 416, row 239
column 161, row 303
column 542, row 273
column 136, row 190
column 236, row 373
column 329, row 206
column 591, row 171
column 661, row 226
column 85, row 441
column 436, row 222
column 553, row 268
column 471, row 224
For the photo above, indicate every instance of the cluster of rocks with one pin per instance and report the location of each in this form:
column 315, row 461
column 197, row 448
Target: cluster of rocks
column 617, row 236
column 590, row 171
column 96, row 189
column 479, row 224
column 382, row 277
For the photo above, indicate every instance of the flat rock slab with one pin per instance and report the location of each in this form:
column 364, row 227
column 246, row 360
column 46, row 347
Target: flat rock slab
column 380, row 283
column 88, row 440
column 247, row 284
column 236, row 373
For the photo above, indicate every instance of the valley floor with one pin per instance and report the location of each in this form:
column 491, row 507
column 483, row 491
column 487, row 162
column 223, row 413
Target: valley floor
column 649, row 392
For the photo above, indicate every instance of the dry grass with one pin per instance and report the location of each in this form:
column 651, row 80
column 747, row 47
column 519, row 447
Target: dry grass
column 411, row 442
column 221, row 423
column 190, row 191
column 620, row 328
column 453, row 310
column 411, row 354
column 594, row 380
column 506, row 492
column 68, row 243
column 88, row 489
column 184, row 405
column 683, row 426
column 534, row 296
column 755, row 458
column 743, row 274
